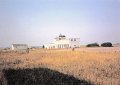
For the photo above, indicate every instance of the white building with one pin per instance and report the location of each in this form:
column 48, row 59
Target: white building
column 17, row 47
column 62, row 42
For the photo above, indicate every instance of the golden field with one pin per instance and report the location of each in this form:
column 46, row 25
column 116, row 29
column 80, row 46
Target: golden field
column 101, row 66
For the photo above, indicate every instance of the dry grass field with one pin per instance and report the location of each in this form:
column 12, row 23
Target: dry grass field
column 99, row 66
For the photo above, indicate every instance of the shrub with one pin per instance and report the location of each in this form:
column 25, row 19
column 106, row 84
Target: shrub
column 106, row 44
column 43, row 46
column 93, row 45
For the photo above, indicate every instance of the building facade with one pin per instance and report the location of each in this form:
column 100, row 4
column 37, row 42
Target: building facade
column 62, row 42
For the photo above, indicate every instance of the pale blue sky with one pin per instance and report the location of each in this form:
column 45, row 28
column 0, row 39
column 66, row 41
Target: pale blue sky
column 36, row 22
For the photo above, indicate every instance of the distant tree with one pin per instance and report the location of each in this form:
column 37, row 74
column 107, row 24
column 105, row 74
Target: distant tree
column 106, row 44
column 93, row 45
column 43, row 46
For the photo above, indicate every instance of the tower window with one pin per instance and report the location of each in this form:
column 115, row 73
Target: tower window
column 74, row 39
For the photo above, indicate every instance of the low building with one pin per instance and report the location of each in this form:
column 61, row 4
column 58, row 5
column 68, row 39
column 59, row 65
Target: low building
column 62, row 42
column 17, row 47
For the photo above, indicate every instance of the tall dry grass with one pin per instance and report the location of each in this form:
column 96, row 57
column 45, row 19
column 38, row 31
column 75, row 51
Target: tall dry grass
column 98, row 65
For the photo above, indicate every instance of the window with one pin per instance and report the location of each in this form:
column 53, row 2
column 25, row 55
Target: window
column 62, row 46
column 74, row 39
column 59, row 46
column 68, row 45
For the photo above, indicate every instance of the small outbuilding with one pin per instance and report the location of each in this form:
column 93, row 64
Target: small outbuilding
column 17, row 47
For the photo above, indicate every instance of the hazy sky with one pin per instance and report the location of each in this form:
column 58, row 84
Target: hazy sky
column 36, row 22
